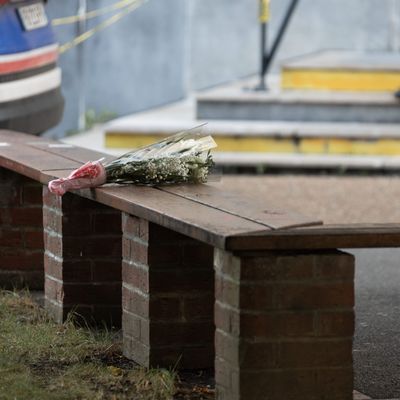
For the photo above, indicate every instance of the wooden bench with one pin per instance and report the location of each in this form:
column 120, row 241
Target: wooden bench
column 208, row 278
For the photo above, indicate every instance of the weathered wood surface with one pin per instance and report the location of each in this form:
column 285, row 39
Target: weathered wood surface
column 30, row 161
column 321, row 237
column 222, row 219
column 252, row 209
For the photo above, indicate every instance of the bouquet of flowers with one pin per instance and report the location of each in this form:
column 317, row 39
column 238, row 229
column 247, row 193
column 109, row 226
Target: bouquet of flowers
column 182, row 158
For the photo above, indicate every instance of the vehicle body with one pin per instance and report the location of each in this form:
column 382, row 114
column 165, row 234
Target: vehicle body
column 30, row 81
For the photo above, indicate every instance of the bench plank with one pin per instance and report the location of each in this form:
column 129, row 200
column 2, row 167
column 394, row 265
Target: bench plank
column 30, row 161
column 78, row 154
column 189, row 218
column 321, row 237
column 256, row 210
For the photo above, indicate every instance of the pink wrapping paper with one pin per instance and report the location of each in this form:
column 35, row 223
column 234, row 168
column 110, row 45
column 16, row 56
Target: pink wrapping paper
column 90, row 175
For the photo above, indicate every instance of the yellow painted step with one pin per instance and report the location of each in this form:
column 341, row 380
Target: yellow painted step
column 342, row 80
column 260, row 144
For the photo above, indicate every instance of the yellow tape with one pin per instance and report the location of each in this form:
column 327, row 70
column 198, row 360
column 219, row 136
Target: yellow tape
column 264, row 11
column 103, row 25
column 92, row 14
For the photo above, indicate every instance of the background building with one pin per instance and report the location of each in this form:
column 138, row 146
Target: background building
column 165, row 50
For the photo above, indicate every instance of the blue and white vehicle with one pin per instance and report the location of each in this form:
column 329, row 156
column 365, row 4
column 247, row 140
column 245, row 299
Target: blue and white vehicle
column 30, row 81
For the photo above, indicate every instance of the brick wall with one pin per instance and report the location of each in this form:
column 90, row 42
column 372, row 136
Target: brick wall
column 284, row 325
column 168, row 297
column 82, row 259
column 21, row 231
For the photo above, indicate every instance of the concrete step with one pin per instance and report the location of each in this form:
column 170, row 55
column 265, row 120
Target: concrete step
column 343, row 70
column 301, row 105
column 264, row 137
column 305, row 145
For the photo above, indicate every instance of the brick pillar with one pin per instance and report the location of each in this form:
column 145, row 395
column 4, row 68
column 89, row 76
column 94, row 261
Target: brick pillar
column 83, row 243
column 168, row 297
column 21, row 231
column 284, row 326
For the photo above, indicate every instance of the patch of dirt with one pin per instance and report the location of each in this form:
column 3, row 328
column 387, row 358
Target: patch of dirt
column 195, row 385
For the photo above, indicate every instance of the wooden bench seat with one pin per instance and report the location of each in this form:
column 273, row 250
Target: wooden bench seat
column 203, row 276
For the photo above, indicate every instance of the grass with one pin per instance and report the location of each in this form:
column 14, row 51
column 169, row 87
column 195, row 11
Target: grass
column 43, row 360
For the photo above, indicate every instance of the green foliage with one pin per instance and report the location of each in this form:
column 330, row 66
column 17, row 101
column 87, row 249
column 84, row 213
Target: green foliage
column 92, row 118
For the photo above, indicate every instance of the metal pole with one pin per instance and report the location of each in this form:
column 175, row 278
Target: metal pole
column 269, row 56
column 279, row 36
column 81, row 28
column 264, row 18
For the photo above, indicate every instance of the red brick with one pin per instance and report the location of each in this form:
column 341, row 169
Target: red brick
column 181, row 333
column 53, row 244
column 335, row 323
column 54, row 290
column 29, row 261
column 227, row 264
column 10, row 237
column 227, row 320
column 223, row 372
column 136, row 350
column 32, row 194
column 182, row 357
column 131, row 325
column 79, row 271
column 160, row 235
column 10, row 195
column 278, row 268
column 76, row 224
column 161, row 255
column 227, row 347
column 315, row 296
column 335, row 266
column 277, row 325
column 136, row 276
column 259, row 355
column 134, row 226
column 257, row 297
column 181, row 280
column 107, row 223
column 166, row 309
column 106, row 271
column 51, row 200
column 52, row 221
column 334, row 353
column 5, row 217
column 227, row 291
column 53, row 267
column 329, row 384
column 34, row 240
column 199, row 308
column 27, row 216
column 91, row 246
column 134, row 251
column 72, row 204
column 278, row 385
column 135, row 303
column 88, row 294
column 32, row 279
column 111, row 315
column 198, row 255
